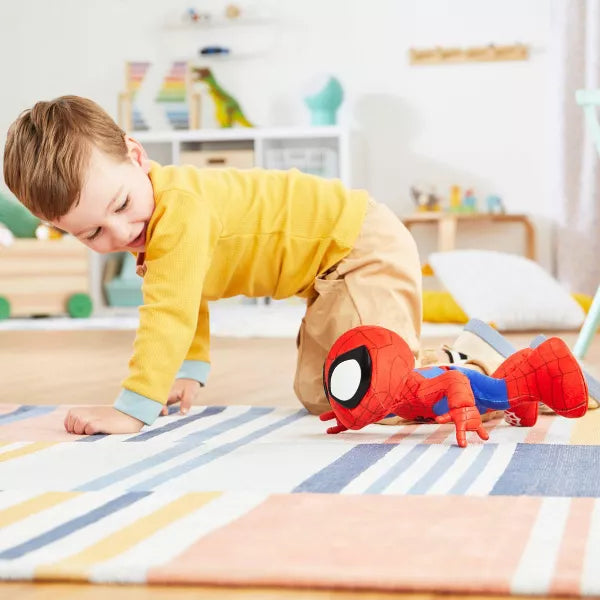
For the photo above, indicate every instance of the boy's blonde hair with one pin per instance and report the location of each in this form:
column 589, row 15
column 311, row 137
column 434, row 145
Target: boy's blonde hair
column 48, row 149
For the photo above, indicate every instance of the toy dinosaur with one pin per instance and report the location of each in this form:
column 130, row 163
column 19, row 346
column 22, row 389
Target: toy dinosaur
column 228, row 110
column 369, row 374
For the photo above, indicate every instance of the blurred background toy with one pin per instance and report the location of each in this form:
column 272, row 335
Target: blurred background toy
column 324, row 95
column 228, row 109
column 455, row 198
column 196, row 17
column 6, row 236
column 232, row 11
column 494, row 205
column 425, row 200
column 45, row 231
column 17, row 218
column 469, row 202
column 173, row 95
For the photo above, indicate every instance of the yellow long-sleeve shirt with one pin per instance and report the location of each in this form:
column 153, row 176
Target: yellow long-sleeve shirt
column 217, row 233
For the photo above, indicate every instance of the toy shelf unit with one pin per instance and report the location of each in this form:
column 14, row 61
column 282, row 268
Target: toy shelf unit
column 323, row 151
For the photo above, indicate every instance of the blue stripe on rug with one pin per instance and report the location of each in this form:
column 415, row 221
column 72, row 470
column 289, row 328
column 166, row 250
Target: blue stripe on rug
column 337, row 475
column 551, row 470
column 392, row 474
column 475, row 470
column 215, row 453
column 169, row 453
column 65, row 529
column 25, row 412
column 201, row 436
column 442, row 464
column 96, row 437
column 147, row 435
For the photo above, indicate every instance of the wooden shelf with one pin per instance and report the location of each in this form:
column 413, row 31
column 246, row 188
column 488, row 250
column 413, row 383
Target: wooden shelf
column 448, row 224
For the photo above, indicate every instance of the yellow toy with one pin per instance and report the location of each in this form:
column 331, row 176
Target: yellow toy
column 455, row 198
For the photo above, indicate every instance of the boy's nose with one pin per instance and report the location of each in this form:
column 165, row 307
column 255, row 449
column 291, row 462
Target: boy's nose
column 120, row 235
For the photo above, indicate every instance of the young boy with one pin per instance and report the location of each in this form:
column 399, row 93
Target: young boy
column 206, row 234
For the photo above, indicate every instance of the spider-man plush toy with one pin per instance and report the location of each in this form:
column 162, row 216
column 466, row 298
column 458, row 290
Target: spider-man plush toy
column 369, row 374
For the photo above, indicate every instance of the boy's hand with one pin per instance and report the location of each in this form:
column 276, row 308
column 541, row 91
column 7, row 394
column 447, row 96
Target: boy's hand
column 100, row 419
column 183, row 391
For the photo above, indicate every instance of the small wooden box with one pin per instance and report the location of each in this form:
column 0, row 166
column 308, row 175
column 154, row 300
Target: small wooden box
column 38, row 277
column 236, row 158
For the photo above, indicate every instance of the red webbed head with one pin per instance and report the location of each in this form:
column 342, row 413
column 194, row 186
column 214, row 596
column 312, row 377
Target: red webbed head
column 363, row 373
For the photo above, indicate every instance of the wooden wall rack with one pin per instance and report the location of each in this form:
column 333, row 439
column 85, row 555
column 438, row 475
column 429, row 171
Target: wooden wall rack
column 490, row 53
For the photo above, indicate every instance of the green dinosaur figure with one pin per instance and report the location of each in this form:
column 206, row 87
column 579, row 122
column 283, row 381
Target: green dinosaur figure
column 228, row 110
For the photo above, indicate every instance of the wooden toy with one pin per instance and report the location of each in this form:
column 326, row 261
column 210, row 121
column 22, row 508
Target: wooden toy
column 44, row 278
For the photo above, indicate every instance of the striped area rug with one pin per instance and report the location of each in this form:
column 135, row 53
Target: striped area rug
column 261, row 496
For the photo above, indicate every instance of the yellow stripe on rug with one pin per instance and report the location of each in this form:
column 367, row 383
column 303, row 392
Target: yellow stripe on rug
column 587, row 429
column 76, row 567
column 24, row 509
column 24, row 450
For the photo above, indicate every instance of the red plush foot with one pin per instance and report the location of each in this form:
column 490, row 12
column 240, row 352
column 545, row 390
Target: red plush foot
column 524, row 406
column 560, row 380
column 548, row 374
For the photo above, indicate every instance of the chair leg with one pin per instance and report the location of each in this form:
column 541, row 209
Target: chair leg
column 588, row 328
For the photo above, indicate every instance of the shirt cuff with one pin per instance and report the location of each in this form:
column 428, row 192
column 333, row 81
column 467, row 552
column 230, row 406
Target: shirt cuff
column 138, row 406
column 194, row 369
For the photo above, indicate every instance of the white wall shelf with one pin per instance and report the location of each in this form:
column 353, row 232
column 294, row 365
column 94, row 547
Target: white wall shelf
column 218, row 23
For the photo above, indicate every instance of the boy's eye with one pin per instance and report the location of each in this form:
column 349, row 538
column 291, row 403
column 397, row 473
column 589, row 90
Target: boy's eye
column 123, row 206
column 95, row 234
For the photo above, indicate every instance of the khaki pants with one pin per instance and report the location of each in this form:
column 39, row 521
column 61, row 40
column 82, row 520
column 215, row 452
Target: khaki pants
column 378, row 283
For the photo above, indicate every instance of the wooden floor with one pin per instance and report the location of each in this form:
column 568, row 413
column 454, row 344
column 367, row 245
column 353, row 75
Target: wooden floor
column 86, row 367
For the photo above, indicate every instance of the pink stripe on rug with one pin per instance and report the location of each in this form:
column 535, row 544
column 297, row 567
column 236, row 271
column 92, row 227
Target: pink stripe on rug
column 407, row 430
column 439, row 435
column 364, row 542
column 538, row 433
column 45, row 428
column 569, row 565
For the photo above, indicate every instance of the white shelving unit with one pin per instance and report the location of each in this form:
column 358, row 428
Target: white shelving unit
column 286, row 144
column 166, row 146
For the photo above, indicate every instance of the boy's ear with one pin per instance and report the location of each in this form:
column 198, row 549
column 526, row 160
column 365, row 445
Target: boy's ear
column 137, row 153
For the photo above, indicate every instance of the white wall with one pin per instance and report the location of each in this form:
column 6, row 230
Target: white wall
column 478, row 125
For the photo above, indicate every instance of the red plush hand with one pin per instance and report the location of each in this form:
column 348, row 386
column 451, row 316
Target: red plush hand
column 466, row 418
column 328, row 416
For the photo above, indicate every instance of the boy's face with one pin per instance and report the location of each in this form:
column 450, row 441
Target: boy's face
column 115, row 204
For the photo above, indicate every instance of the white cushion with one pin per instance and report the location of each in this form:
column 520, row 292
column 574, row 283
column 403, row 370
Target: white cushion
column 512, row 292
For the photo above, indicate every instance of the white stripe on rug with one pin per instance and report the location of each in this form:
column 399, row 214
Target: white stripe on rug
column 536, row 567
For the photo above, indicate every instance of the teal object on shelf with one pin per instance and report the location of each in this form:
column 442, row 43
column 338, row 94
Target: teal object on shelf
column 126, row 289
column 324, row 103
